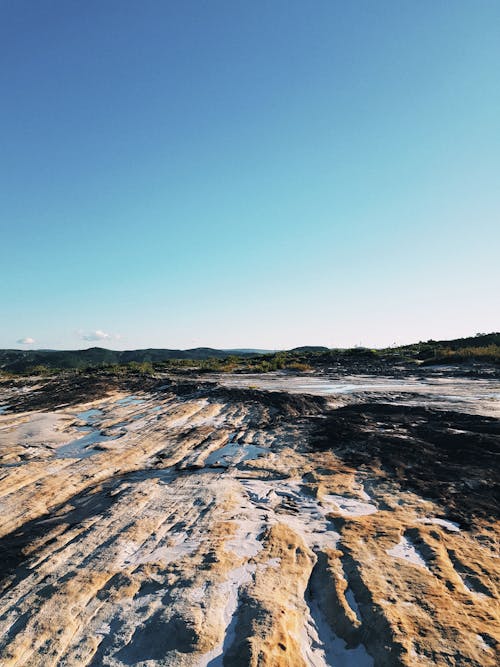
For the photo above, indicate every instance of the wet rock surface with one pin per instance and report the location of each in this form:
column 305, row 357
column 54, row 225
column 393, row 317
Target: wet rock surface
column 157, row 521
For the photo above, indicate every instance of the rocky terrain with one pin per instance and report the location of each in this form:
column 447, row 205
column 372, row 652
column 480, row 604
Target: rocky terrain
column 285, row 520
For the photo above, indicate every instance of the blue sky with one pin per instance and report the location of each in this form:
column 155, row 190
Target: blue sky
column 248, row 174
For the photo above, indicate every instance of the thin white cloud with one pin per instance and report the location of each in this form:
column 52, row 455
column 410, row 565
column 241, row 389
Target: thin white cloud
column 98, row 335
column 25, row 341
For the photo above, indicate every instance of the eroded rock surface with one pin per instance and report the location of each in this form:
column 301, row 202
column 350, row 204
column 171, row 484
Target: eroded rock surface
column 167, row 523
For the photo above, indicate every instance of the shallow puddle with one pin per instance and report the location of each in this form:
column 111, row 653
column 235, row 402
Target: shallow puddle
column 234, row 453
column 82, row 448
column 129, row 400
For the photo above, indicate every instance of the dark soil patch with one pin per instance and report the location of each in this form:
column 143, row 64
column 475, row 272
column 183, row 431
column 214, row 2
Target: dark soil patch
column 447, row 456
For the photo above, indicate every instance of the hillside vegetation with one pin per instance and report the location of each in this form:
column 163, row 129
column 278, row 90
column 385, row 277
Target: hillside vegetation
column 482, row 348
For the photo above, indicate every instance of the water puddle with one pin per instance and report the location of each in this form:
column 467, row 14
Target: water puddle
column 234, row 453
column 82, row 448
column 89, row 416
column 129, row 400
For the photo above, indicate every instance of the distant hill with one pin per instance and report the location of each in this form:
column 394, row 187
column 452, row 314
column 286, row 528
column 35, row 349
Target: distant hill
column 244, row 351
column 21, row 360
column 310, row 348
column 479, row 340
column 484, row 346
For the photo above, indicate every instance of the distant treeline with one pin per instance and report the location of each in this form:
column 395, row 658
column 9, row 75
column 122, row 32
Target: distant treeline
column 482, row 347
column 21, row 360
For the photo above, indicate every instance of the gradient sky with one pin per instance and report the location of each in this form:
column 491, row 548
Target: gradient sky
column 248, row 174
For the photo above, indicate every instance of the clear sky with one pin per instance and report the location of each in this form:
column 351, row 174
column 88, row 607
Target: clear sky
column 248, row 174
